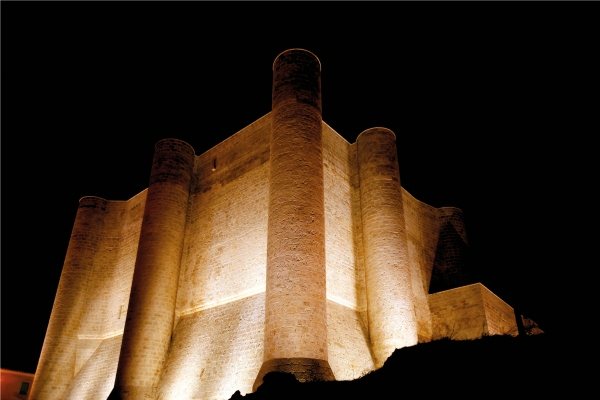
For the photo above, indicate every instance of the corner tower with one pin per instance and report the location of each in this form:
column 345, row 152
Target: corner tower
column 390, row 303
column 151, row 310
column 56, row 366
column 296, row 303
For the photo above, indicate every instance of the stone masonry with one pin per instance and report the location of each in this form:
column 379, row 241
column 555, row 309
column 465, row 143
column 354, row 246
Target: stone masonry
column 283, row 248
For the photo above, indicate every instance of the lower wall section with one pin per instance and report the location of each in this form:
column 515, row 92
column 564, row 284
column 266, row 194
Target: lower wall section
column 96, row 378
column 347, row 342
column 216, row 351
column 458, row 313
column 468, row 312
column 85, row 349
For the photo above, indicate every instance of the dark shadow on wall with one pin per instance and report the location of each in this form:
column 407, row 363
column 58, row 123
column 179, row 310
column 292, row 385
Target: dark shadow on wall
column 451, row 267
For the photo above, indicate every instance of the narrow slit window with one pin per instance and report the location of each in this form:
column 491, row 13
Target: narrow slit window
column 24, row 388
column 214, row 164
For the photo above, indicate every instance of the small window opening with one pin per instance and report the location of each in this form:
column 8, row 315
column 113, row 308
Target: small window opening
column 24, row 388
column 214, row 164
column 120, row 311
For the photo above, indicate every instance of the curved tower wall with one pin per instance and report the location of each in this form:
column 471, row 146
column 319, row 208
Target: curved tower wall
column 101, row 328
column 150, row 314
column 391, row 314
column 422, row 231
column 56, row 367
column 451, row 267
column 296, row 304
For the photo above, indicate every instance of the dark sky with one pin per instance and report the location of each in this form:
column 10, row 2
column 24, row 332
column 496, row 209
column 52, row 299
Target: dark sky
column 89, row 89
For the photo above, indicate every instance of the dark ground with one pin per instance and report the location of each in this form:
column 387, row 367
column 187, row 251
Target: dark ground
column 490, row 367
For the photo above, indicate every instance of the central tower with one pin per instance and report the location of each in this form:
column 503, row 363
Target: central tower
column 296, row 304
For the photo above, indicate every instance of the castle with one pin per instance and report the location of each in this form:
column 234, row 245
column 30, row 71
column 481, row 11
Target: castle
column 283, row 248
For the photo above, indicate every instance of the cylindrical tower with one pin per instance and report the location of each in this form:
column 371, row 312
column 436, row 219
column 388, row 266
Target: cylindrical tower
column 150, row 314
column 391, row 314
column 451, row 267
column 56, row 367
column 296, row 305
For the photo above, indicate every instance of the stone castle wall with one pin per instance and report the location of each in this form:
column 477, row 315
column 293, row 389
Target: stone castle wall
column 107, row 299
column 219, row 316
column 221, row 280
column 215, row 351
column 347, row 334
column 92, row 298
column 468, row 312
column 256, row 256
column 451, row 266
column 225, row 249
column 223, row 265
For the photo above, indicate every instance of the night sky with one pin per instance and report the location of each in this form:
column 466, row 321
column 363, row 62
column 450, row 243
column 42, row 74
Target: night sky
column 89, row 89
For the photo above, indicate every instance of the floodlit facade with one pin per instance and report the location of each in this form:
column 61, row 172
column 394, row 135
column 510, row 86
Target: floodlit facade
column 282, row 248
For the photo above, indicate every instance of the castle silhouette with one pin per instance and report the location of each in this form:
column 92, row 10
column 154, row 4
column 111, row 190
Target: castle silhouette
column 283, row 248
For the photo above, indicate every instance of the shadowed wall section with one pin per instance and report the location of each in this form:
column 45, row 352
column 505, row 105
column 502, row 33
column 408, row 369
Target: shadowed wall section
column 500, row 317
column 451, row 266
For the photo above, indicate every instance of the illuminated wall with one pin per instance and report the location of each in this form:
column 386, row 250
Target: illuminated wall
column 222, row 278
column 468, row 312
column 348, row 337
column 89, row 311
column 190, row 322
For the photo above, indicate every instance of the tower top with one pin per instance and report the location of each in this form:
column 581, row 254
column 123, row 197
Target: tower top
column 297, row 50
